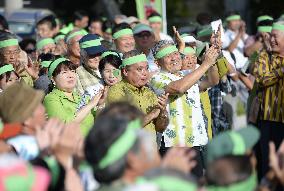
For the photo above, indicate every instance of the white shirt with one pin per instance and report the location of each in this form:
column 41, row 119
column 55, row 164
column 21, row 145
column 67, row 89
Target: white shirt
column 153, row 67
column 239, row 50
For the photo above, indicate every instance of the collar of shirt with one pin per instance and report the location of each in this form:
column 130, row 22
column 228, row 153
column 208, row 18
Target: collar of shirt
column 60, row 93
column 133, row 88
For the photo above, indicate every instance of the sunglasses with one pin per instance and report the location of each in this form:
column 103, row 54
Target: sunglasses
column 143, row 34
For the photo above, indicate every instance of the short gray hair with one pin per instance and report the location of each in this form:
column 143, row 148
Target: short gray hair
column 159, row 45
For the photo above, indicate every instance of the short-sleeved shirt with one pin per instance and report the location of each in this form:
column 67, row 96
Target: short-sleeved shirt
column 143, row 98
column 57, row 104
column 187, row 125
column 238, row 52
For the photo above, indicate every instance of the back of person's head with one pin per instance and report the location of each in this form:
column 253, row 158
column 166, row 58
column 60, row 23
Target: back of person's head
column 79, row 15
column 49, row 20
column 229, row 170
column 3, row 23
column 203, row 18
column 119, row 27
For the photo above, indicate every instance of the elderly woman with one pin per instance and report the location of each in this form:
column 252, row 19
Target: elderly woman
column 88, row 73
column 8, row 76
column 63, row 101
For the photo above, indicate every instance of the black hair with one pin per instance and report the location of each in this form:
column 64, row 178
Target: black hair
column 110, row 59
column 24, row 43
column 153, row 14
column 65, row 65
column 79, row 15
column 108, row 45
column 107, row 24
column 230, row 169
column 49, row 20
column 8, row 74
column 4, row 23
column 265, row 23
column 119, row 27
column 45, row 57
column 110, row 124
column 203, row 18
column 95, row 19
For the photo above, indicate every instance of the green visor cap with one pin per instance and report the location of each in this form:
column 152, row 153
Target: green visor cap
column 232, row 143
column 207, row 31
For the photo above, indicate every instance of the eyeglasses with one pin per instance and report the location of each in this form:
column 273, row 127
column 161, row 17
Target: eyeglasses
column 13, row 52
column 143, row 34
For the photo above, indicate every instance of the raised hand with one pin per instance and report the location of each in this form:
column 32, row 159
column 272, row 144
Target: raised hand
column 211, row 55
column 163, row 101
column 180, row 42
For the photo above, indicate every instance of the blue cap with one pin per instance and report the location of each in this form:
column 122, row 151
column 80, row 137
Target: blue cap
column 91, row 43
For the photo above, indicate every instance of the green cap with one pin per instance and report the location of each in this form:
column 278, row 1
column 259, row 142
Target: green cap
column 206, row 31
column 142, row 27
column 232, row 143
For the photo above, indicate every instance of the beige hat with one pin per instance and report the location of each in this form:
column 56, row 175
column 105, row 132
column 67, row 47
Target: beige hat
column 18, row 102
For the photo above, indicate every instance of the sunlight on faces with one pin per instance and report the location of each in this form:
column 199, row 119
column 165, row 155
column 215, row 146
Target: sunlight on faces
column 189, row 62
column 74, row 46
column 108, row 76
column 156, row 26
column 137, row 74
column 66, row 80
column 125, row 43
column 171, row 63
column 277, row 41
column 4, row 83
column 44, row 31
column 10, row 55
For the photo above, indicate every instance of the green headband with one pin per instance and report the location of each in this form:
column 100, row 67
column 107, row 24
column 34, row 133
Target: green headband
column 264, row 29
column 90, row 43
column 44, row 42
column 133, row 60
column 59, row 37
column 205, row 32
column 168, row 183
column 189, row 50
column 155, row 19
column 263, row 18
column 77, row 33
column 166, row 51
column 6, row 68
column 239, row 146
column 45, row 64
column 106, row 53
column 122, row 32
column 25, row 182
column 108, row 30
column 9, row 42
column 277, row 26
column 54, row 65
column 120, row 147
column 233, row 17
column 246, row 185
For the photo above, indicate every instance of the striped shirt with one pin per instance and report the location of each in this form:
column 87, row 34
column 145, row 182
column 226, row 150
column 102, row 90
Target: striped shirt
column 269, row 75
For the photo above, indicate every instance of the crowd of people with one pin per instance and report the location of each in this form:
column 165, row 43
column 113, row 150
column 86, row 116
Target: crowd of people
column 98, row 104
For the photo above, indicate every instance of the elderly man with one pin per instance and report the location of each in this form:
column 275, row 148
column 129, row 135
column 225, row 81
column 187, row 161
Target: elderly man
column 145, row 40
column 269, row 75
column 123, row 38
column 73, row 48
column 187, row 127
column 88, row 73
column 10, row 53
column 133, row 88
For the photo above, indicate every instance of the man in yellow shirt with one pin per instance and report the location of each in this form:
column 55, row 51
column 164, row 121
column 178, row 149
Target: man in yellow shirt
column 133, row 89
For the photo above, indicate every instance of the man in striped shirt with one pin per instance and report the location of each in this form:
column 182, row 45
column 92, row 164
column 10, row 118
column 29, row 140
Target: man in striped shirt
column 269, row 75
